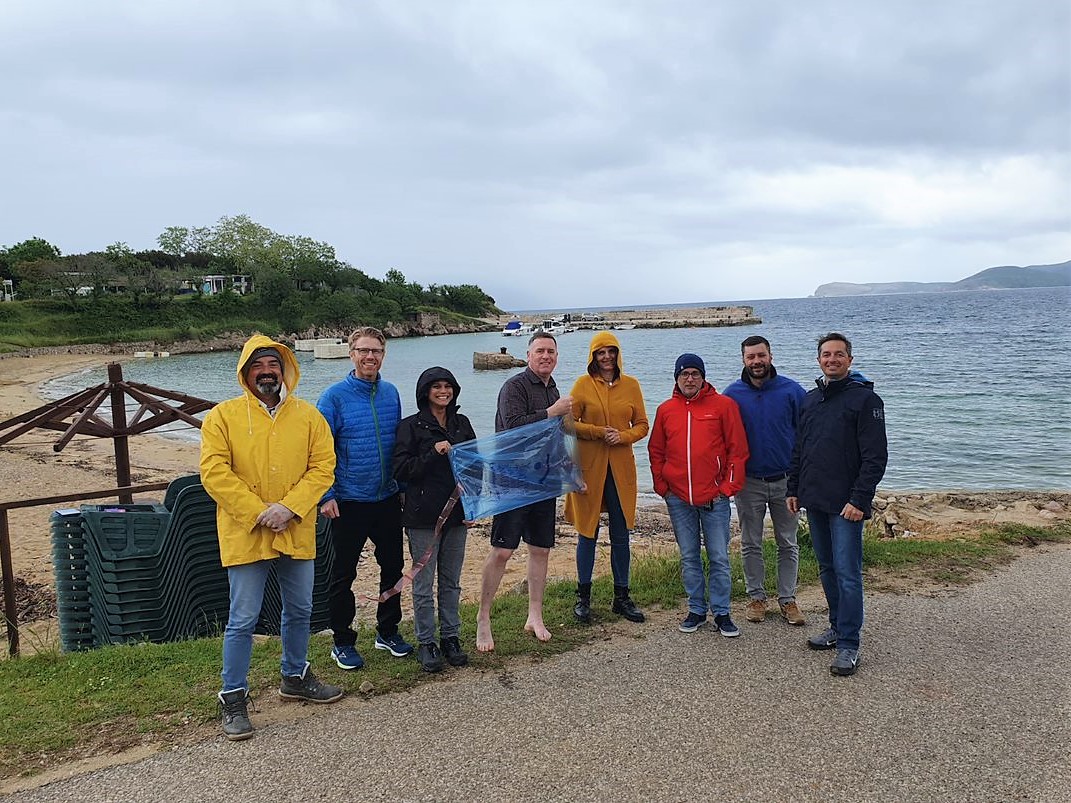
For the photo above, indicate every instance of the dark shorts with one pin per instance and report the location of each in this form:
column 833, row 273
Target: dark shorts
column 532, row 523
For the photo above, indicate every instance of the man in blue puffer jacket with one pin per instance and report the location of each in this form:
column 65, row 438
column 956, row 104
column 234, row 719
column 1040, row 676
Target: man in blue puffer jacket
column 840, row 457
column 363, row 411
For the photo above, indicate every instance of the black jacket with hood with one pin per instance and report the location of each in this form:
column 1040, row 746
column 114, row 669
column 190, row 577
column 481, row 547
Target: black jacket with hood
column 416, row 464
column 841, row 449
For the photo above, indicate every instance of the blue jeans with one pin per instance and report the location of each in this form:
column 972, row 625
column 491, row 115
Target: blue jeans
column 692, row 525
column 620, row 554
column 247, row 593
column 838, row 546
column 445, row 563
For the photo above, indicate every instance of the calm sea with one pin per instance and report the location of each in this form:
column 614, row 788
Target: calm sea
column 975, row 384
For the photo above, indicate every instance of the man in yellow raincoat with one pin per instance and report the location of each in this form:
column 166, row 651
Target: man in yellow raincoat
column 266, row 458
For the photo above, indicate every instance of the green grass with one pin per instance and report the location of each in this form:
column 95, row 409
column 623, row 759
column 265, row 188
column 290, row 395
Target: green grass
column 54, row 705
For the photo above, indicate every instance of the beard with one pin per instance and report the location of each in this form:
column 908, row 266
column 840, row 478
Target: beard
column 759, row 371
column 268, row 384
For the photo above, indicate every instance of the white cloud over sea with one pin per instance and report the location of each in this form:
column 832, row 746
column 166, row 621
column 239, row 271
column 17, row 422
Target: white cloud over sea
column 555, row 153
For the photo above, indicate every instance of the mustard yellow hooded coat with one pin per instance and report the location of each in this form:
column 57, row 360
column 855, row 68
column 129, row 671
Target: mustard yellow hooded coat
column 250, row 459
column 596, row 406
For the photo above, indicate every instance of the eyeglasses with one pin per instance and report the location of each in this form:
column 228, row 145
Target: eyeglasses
column 690, row 375
column 367, row 352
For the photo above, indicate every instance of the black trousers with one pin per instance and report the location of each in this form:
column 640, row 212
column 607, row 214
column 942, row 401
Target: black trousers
column 358, row 522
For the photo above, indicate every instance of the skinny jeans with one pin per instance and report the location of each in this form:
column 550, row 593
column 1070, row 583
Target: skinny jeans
column 620, row 552
column 443, row 564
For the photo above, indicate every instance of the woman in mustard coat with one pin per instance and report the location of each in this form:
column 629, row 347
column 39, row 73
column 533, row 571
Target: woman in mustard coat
column 610, row 417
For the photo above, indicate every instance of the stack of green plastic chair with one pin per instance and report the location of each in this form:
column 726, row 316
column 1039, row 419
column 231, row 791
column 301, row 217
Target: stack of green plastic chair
column 72, row 580
column 153, row 572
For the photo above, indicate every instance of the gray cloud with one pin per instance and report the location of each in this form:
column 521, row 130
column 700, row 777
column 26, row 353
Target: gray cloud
column 554, row 153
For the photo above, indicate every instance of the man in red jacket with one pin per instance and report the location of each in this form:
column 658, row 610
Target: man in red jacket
column 698, row 450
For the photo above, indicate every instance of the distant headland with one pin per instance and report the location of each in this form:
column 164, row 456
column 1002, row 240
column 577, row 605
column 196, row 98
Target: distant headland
column 1007, row 277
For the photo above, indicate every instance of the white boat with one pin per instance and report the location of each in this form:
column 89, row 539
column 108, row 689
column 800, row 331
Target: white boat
column 625, row 325
column 522, row 330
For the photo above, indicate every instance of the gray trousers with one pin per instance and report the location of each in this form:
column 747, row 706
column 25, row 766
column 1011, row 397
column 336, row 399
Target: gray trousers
column 751, row 504
column 445, row 563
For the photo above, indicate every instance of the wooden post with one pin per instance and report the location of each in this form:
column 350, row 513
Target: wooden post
column 122, row 447
column 11, row 614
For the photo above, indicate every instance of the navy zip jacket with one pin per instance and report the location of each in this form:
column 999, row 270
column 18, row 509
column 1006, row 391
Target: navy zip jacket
column 841, row 450
column 771, row 413
column 427, row 475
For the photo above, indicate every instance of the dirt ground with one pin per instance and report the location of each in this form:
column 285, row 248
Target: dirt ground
column 29, row 468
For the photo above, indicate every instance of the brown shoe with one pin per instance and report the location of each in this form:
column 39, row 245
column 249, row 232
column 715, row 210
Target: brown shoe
column 792, row 613
column 756, row 610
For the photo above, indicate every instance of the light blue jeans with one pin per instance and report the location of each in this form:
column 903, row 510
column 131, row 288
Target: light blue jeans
column 247, row 581
column 693, row 525
column 838, row 546
column 445, row 564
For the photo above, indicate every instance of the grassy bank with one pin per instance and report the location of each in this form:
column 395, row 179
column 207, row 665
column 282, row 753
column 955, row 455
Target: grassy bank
column 56, row 706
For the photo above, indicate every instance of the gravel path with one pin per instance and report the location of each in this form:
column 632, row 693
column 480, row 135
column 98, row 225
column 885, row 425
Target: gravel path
column 961, row 696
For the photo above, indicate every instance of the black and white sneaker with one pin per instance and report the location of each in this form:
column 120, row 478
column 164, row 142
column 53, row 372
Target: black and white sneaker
column 692, row 622
column 726, row 626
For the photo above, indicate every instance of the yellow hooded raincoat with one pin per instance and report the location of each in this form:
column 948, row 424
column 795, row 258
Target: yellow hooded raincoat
column 597, row 405
column 250, row 459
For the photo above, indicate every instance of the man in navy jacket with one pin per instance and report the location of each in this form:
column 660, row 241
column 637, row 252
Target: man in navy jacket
column 770, row 407
column 840, row 457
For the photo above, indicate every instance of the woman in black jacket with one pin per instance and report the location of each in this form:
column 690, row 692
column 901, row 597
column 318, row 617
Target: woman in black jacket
column 421, row 464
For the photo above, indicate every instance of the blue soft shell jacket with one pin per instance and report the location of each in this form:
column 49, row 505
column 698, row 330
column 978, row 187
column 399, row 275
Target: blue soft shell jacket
column 363, row 417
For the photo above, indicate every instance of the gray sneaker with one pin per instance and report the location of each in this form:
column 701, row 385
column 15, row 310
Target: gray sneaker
column 825, row 640
column 233, row 706
column 308, row 687
column 845, row 662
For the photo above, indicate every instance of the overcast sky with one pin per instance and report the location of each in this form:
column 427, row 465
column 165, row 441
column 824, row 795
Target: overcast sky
column 557, row 154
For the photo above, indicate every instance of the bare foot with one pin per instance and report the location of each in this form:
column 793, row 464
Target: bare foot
column 485, row 642
column 537, row 629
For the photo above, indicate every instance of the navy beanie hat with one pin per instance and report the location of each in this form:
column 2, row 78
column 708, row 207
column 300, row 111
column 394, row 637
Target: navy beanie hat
column 689, row 361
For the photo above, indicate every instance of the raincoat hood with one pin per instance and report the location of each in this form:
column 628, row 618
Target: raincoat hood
column 424, row 383
column 291, row 371
column 603, row 340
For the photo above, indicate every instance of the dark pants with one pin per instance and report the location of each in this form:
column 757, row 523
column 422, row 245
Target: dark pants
column 358, row 522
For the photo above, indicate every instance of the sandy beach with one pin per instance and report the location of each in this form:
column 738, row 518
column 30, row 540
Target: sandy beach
column 29, row 468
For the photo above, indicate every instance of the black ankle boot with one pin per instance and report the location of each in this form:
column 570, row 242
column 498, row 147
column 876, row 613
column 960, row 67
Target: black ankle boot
column 582, row 609
column 624, row 605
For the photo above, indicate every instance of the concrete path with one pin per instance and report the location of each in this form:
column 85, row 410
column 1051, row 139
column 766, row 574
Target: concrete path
column 962, row 696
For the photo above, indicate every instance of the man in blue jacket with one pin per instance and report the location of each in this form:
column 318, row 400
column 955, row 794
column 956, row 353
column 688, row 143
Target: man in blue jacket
column 363, row 411
column 770, row 407
column 840, row 457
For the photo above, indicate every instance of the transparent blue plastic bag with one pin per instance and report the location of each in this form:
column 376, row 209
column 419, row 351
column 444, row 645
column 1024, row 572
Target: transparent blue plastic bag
column 516, row 467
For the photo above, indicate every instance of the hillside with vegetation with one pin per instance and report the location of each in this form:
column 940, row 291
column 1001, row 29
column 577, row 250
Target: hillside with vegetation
column 234, row 277
column 1005, row 277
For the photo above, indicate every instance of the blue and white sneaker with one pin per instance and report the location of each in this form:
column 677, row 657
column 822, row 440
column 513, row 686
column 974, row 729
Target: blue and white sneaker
column 725, row 625
column 826, row 640
column 396, row 645
column 845, row 662
column 347, row 657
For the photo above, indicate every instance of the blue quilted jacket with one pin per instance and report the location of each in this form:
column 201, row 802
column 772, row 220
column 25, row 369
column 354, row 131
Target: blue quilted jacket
column 363, row 417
